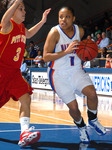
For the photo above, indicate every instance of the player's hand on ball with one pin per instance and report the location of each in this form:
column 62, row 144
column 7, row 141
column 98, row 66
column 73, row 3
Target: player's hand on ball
column 72, row 47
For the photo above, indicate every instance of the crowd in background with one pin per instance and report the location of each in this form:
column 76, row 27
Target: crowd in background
column 102, row 37
column 93, row 31
column 35, row 54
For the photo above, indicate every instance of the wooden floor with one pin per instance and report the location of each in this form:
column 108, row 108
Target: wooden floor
column 47, row 110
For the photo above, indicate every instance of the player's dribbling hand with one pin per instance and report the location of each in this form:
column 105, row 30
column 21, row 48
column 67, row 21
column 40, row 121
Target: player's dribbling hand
column 72, row 47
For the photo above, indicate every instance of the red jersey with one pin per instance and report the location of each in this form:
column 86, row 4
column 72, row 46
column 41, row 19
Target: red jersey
column 108, row 65
column 12, row 46
column 98, row 41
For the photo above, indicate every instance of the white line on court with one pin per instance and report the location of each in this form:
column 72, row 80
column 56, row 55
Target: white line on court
column 41, row 115
column 46, row 117
column 40, row 129
column 48, row 129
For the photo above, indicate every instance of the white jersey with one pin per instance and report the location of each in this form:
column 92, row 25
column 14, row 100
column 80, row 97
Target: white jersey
column 65, row 74
column 70, row 60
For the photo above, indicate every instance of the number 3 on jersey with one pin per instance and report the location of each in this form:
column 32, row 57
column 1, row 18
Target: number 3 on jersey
column 72, row 60
column 18, row 51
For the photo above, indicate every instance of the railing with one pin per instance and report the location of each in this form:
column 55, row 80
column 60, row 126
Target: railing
column 36, row 43
column 109, row 28
column 106, row 47
column 29, row 60
column 109, row 32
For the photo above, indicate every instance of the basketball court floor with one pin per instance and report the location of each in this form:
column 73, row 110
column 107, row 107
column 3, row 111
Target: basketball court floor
column 50, row 116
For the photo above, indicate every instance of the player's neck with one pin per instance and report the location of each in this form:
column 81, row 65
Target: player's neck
column 69, row 31
column 16, row 21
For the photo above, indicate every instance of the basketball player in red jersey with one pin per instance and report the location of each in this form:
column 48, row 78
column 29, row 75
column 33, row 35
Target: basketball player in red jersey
column 13, row 36
column 65, row 72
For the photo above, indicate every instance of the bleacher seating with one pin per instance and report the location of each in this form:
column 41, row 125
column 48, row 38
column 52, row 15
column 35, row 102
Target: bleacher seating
column 98, row 63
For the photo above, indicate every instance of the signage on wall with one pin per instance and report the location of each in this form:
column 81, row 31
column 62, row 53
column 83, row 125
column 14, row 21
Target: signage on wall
column 102, row 83
column 40, row 80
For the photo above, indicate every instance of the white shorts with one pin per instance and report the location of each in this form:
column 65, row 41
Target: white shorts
column 68, row 83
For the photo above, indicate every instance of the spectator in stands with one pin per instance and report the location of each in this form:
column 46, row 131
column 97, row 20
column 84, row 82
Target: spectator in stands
column 39, row 60
column 104, row 52
column 24, row 70
column 90, row 38
column 32, row 47
column 99, row 38
column 33, row 50
column 23, row 67
column 108, row 63
column 97, row 30
column 104, row 42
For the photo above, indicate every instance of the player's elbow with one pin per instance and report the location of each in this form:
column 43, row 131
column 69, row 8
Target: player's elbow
column 28, row 34
column 45, row 58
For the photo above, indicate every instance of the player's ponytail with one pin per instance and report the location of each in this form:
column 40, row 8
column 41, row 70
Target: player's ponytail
column 6, row 4
column 3, row 4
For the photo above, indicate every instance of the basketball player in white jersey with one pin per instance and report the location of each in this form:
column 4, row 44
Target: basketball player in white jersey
column 65, row 72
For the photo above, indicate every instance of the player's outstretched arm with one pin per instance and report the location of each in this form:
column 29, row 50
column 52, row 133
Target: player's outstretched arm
column 32, row 31
column 5, row 22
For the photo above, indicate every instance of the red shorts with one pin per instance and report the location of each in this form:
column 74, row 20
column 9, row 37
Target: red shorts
column 12, row 84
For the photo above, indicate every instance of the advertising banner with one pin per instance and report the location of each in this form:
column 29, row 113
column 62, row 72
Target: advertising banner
column 102, row 83
column 40, row 80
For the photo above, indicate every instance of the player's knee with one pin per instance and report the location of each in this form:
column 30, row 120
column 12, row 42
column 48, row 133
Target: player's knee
column 90, row 92
column 92, row 95
column 74, row 110
column 73, row 107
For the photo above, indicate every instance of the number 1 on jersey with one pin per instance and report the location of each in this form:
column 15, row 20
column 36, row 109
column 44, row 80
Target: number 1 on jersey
column 72, row 60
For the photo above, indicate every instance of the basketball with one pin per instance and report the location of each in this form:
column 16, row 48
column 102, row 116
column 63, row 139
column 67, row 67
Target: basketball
column 87, row 50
